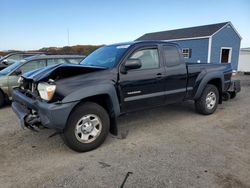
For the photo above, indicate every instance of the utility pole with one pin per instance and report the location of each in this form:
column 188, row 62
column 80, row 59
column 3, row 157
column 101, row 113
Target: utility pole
column 68, row 35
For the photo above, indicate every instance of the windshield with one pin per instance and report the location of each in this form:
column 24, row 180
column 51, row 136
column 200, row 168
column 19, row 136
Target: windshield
column 107, row 56
column 10, row 68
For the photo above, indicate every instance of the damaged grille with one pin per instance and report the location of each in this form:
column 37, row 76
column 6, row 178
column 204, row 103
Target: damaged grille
column 29, row 88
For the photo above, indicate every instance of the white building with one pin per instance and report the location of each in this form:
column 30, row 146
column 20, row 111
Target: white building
column 244, row 60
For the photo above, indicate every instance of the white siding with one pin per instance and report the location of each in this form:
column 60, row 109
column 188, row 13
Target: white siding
column 244, row 61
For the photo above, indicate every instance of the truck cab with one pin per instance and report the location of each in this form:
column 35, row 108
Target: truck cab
column 161, row 78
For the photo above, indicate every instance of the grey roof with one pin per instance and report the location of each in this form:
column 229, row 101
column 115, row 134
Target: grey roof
column 43, row 56
column 191, row 32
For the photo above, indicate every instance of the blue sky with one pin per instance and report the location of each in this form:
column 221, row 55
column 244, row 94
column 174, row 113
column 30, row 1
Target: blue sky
column 33, row 24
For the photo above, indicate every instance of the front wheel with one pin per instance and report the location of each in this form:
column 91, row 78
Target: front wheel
column 208, row 101
column 87, row 127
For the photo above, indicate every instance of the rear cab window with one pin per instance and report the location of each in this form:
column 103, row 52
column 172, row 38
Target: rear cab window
column 171, row 55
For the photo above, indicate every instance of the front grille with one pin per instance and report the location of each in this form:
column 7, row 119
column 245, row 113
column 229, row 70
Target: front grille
column 26, row 84
column 29, row 88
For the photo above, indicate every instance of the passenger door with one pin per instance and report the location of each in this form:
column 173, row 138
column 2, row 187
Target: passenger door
column 176, row 74
column 143, row 87
column 29, row 66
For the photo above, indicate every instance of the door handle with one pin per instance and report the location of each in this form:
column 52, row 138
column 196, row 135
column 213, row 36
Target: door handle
column 159, row 75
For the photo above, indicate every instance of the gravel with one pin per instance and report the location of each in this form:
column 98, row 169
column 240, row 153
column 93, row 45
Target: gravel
column 171, row 146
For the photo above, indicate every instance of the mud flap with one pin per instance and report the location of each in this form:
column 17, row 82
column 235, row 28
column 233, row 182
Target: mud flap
column 235, row 86
column 118, row 131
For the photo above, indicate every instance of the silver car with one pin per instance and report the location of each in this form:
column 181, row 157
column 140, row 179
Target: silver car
column 10, row 75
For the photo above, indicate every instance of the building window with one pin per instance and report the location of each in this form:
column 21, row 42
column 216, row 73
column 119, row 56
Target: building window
column 225, row 55
column 186, row 52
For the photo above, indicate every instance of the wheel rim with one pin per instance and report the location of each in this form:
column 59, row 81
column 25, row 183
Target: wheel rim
column 88, row 128
column 210, row 100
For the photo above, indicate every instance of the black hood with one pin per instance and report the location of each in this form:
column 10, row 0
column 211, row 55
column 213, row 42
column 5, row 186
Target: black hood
column 60, row 71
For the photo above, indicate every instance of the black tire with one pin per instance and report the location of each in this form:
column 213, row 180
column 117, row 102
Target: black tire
column 226, row 96
column 70, row 137
column 232, row 94
column 1, row 99
column 200, row 104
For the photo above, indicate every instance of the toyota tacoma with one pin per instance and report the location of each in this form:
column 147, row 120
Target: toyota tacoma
column 83, row 101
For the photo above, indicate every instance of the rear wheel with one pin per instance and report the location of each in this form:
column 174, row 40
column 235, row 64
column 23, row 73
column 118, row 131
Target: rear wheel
column 208, row 101
column 232, row 94
column 1, row 98
column 87, row 127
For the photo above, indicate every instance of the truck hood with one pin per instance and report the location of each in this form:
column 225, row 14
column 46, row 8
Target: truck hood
column 60, row 71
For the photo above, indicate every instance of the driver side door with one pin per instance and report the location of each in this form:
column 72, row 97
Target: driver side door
column 143, row 87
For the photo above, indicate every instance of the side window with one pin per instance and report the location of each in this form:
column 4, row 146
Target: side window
column 74, row 61
column 172, row 56
column 149, row 58
column 55, row 61
column 33, row 65
column 14, row 58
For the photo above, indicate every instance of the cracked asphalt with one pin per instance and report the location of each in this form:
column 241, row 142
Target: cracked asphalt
column 171, row 146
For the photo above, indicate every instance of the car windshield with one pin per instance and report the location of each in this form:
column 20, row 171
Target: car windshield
column 10, row 68
column 107, row 56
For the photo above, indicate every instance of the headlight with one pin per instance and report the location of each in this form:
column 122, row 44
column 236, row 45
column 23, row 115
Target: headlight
column 46, row 90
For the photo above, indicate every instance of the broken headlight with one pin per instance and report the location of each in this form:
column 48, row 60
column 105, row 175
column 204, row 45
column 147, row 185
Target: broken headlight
column 46, row 90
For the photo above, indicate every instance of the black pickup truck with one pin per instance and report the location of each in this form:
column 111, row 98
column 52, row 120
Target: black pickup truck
column 84, row 101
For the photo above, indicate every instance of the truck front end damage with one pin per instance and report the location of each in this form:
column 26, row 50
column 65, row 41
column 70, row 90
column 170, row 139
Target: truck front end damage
column 38, row 101
column 33, row 113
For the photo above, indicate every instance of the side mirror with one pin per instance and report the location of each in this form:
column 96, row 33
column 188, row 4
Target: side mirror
column 132, row 64
column 5, row 61
column 18, row 72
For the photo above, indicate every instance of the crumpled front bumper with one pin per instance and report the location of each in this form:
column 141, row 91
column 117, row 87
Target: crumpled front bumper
column 50, row 115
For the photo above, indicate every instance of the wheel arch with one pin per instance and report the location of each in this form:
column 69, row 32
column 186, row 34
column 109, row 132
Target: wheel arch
column 218, row 83
column 213, row 78
column 103, row 96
